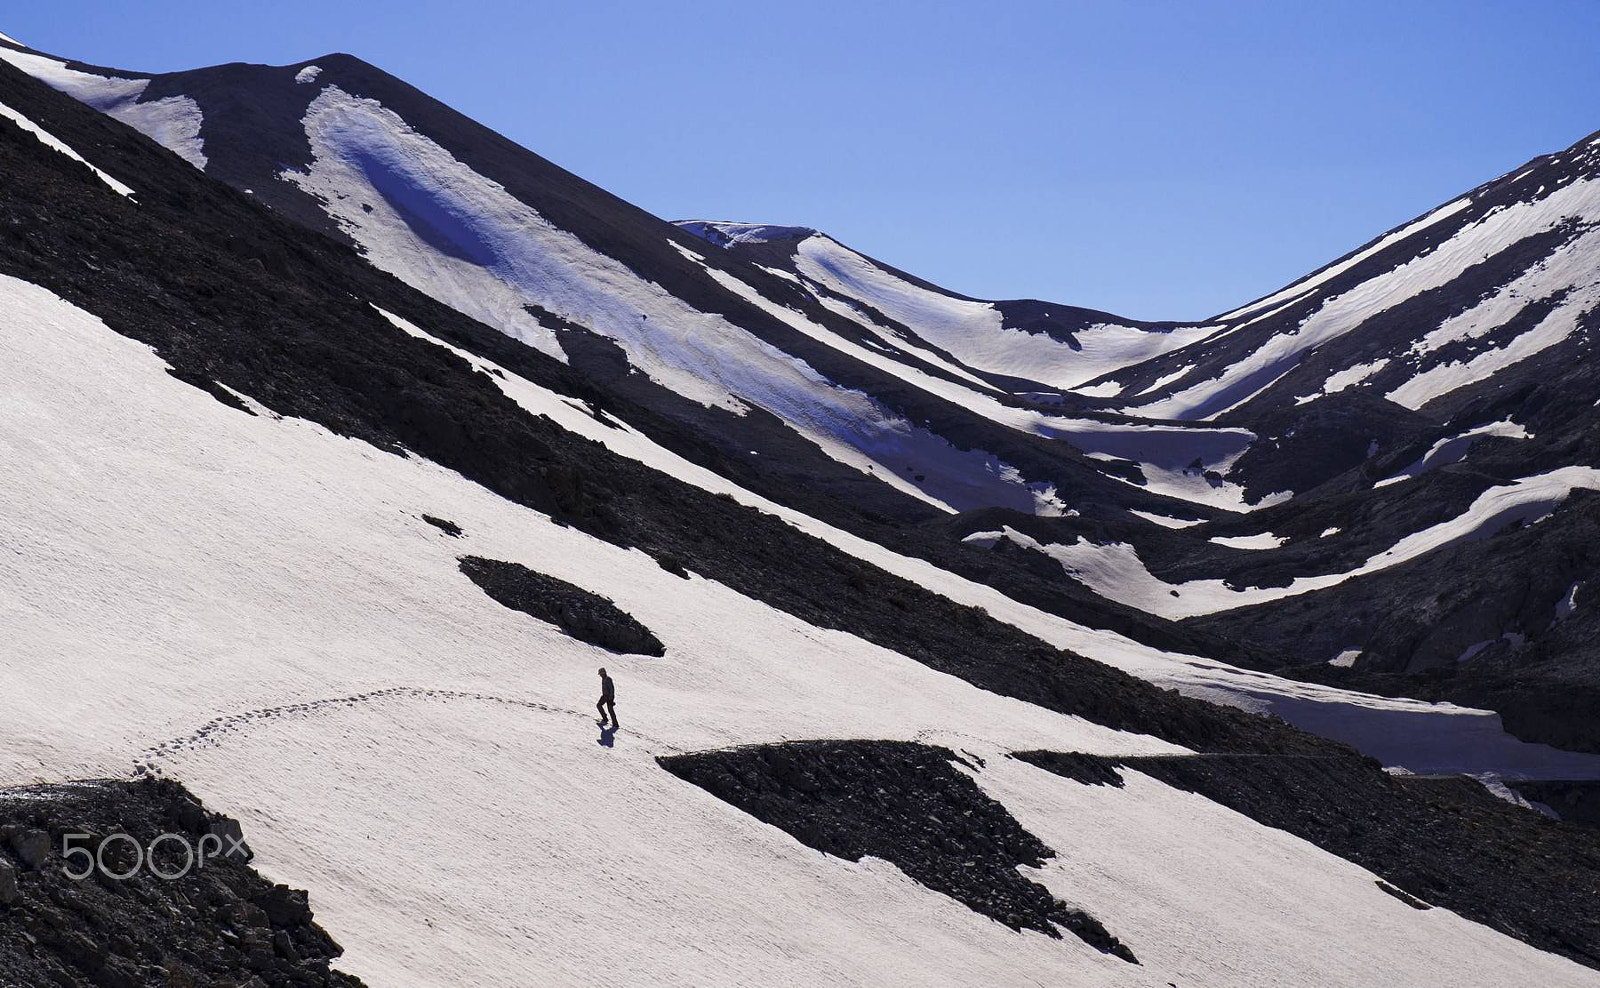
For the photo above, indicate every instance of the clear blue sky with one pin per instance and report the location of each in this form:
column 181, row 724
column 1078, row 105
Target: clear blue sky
column 1157, row 159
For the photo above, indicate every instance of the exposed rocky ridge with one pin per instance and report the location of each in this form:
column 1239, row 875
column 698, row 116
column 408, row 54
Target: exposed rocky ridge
column 902, row 802
column 1447, row 842
column 585, row 616
column 220, row 923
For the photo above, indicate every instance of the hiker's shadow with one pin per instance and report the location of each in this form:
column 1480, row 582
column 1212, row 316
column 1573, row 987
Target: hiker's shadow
column 608, row 736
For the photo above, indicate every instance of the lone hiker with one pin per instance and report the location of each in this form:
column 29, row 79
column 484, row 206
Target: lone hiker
column 608, row 700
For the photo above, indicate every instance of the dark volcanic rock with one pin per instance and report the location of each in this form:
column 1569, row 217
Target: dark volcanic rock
column 1574, row 802
column 1445, row 842
column 585, row 616
column 216, row 922
column 902, row 802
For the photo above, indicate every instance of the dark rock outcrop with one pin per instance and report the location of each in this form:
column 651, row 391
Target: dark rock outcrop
column 902, row 802
column 1576, row 803
column 217, row 922
column 585, row 616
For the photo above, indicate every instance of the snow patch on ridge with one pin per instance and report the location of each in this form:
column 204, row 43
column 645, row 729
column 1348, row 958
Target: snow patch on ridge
column 1454, row 449
column 1261, row 540
column 173, row 121
column 1300, row 288
column 727, row 235
column 1254, row 372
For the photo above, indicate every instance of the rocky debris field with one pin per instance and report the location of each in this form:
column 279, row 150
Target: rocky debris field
column 219, row 923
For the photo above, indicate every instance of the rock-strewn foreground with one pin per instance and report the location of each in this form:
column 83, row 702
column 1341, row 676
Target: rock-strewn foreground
column 221, row 923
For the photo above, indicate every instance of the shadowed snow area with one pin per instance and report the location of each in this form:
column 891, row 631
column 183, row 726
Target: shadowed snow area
column 255, row 605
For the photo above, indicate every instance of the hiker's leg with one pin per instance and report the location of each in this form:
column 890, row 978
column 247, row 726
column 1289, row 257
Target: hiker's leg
column 613, row 708
column 601, row 706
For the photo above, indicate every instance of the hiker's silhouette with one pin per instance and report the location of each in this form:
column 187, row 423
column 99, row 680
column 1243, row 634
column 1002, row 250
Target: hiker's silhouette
column 608, row 701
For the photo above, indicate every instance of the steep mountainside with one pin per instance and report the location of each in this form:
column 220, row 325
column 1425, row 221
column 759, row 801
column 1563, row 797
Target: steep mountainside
column 351, row 439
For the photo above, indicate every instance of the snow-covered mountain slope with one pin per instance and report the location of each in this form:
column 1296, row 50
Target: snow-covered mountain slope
column 1474, row 294
column 1057, row 346
column 252, row 459
column 857, row 393
column 255, row 605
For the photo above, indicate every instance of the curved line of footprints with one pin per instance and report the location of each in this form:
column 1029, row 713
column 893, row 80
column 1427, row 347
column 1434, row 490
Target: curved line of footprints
column 213, row 732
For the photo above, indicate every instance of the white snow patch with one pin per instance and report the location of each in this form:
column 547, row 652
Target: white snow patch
column 1305, row 285
column 1105, row 389
column 1346, row 658
column 1454, row 449
column 1569, row 603
column 728, row 234
column 1347, row 378
column 308, row 74
column 1261, row 540
column 1335, row 530
column 1163, row 380
column 1164, row 521
column 779, row 273
column 173, row 122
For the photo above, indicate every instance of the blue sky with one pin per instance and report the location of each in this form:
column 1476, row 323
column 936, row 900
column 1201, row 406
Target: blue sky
column 1159, row 160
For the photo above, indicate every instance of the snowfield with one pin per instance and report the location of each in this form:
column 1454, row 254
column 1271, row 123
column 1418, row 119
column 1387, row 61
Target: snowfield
column 252, row 604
